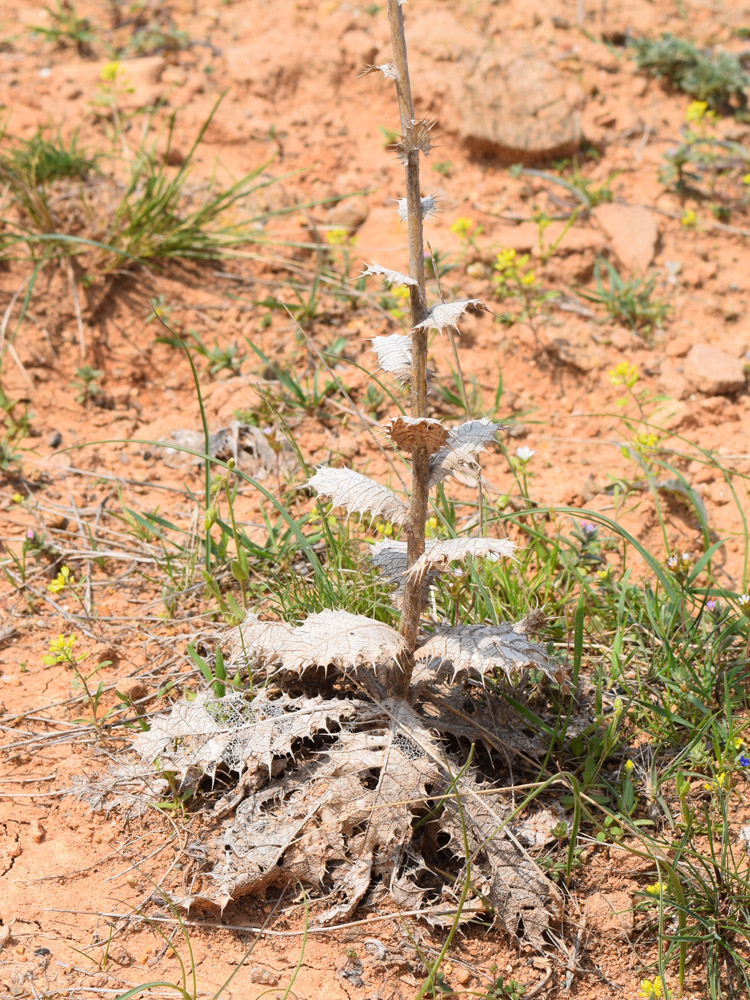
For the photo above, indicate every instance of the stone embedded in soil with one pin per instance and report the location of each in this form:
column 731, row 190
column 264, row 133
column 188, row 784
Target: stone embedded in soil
column 633, row 232
column 714, row 372
column 518, row 106
column 610, row 914
column 349, row 214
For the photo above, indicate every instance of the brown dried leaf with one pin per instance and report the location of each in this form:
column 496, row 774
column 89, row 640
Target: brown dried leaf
column 412, row 432
column 330, row 811
column 521, row 895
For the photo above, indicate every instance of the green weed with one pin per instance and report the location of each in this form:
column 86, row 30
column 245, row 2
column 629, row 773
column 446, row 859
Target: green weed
column 67, row 28
column 631, row 302
column 715, row 77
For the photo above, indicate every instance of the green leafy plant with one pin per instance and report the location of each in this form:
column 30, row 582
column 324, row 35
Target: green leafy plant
column 87, row 385
column 15, row 428
column 67, row 28
column 61, row 650
column 715, row 77
column 631, row 302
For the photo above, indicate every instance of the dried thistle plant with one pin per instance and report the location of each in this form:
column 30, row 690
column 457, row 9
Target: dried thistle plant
column 352, row 750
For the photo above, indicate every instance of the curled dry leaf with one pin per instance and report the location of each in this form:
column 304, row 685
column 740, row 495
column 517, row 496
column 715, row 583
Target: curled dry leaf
column 441, row 554
column 511, row 881
column 326, row 820
column 480, row 649
column 199, row 737
column 412, row 432
column 428, row 203
column 447, row 314
column 358, row 494
column 389, row 277
column 394, row 355
column 464, row 445
column 387, row 69
column 416, row 137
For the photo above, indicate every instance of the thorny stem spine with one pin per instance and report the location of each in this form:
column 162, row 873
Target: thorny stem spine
column 400, row 679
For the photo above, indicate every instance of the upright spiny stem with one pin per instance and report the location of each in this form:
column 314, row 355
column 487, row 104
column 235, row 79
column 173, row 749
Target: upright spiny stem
column 400, row 679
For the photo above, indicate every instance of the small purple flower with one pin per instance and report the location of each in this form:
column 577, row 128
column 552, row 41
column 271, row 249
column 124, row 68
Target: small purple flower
column 710, row 604
column 588, row 528
column 744, row 761
column 30, row 533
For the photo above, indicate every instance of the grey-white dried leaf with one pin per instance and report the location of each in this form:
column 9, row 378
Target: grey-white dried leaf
column 325, row 819
column 521, row 895
column 447, row 314
column 479, row 649
column 388, row 276
column 416, row 137
column 255, row 643
column 387, row 69
column 199, row 737
column 394, row 355
column 442, row 553
column 428, row 203
column 465, row 443
column 340, row 639
column 390, row 558
column 358, row 494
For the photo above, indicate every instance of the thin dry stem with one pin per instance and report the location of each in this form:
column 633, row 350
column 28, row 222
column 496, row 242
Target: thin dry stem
column 400, row 679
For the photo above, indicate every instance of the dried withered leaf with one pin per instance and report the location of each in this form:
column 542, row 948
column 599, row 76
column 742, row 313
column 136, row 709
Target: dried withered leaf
column 327, row 820
column 447, row 314
column 464, row 445
column 358, row 494
column 199, row 737
column 389, row 277
column 387, row 69
column 390, row 558
column 441, row 553
column 394, row 355
column 479, row 649
column 411, row 432
column 340, row 639
column 416, row 136
column 255, row 643
column 511, row 881
column 428, row 204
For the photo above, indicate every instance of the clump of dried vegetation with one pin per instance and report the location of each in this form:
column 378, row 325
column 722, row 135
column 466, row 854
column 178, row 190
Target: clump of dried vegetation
column 361, row 751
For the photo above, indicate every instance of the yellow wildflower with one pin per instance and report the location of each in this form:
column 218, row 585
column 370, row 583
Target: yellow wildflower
column 62, row 580
column 651, row 989
column 623, row 374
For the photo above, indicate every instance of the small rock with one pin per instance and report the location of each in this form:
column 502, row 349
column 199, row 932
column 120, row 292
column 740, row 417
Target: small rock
column 36, row 831
column 54, row 440
column 263, row 976
column 714, row 372
column 349, row 214
column 518, row 106
column 673, row 381
column 610, row 914
column 462, row 976
column 633, row 233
